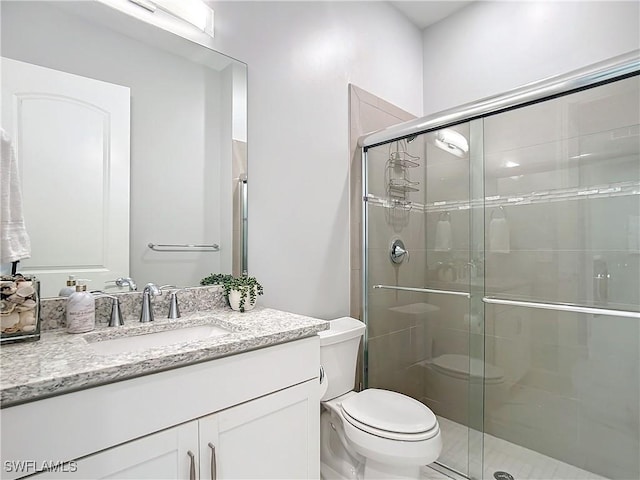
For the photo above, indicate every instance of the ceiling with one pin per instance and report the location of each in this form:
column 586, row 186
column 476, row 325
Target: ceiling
column 428, row 12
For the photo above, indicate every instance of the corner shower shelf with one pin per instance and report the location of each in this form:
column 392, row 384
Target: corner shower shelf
column 398, row 183
column 403, row 160
column 390, row 202
column 402, row 185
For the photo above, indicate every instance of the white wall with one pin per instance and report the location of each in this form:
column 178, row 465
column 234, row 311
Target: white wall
column 490, row 47
column 301, row 58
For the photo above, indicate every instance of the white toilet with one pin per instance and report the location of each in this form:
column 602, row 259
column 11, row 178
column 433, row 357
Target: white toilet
column 369, row 434
column 448, row 379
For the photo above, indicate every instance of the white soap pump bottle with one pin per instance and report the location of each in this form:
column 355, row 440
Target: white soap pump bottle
column 70, row 288
column 81, row 309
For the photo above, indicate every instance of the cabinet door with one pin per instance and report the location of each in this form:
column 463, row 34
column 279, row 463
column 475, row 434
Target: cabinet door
column 273, row 437
column 162, row 455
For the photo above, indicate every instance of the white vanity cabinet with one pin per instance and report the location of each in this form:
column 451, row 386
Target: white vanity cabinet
column 262, row 439
column 162, row 455
column 258, row 410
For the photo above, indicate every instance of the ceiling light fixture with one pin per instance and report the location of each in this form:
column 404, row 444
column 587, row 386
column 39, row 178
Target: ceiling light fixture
column 195, row 12
column 452, row 142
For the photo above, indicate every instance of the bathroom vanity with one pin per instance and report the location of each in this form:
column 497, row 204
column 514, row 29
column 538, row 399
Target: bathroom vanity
column 243, row 403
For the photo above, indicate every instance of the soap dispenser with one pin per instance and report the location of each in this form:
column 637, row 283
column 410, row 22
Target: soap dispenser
column 70, row 288
column 81, row 310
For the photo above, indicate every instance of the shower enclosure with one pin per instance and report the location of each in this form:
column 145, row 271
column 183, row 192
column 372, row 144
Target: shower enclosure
column 501, row 280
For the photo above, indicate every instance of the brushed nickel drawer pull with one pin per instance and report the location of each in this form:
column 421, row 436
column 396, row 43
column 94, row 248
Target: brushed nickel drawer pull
column 214, row 473
column 192, row 467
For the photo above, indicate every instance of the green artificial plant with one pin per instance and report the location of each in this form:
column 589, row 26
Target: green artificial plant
column 247, row 286
column 216, row 279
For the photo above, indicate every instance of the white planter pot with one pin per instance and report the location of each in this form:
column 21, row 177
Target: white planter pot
column 234, row 300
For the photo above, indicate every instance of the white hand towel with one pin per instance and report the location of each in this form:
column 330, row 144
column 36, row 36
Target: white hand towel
column 14, row 239
column 499, row 236
column 444, row 238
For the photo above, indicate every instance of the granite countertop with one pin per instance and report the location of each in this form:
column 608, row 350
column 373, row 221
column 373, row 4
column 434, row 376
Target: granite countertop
column 61, row 363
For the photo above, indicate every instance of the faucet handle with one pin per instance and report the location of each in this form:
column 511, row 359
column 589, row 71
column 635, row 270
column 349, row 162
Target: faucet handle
column 174, row 310
column 115, row 319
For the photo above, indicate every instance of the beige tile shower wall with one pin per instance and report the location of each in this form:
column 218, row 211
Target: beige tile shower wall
column 572, row 380
column 579, row 400
column 397, row 337
column 367, row 113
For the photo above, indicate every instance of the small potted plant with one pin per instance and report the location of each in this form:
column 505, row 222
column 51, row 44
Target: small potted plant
column 216, row 279
column 242, row 292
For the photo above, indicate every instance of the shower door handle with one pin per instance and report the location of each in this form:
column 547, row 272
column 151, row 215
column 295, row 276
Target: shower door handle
column 563, row 307
column 424, row 290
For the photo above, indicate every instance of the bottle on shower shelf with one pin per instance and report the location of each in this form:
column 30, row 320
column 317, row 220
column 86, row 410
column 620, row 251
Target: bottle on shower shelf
column 600, row 280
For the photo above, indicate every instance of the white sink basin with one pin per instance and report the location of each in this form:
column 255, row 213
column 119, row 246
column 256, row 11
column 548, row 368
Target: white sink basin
column 164, row 338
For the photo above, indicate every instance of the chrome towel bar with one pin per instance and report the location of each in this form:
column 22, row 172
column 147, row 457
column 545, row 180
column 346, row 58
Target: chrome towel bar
column 562, row 307
column 424, row 290
column 182, row 247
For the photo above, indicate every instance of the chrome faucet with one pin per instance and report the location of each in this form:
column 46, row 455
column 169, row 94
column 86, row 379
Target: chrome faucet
column 125, row 282
column 146, row 313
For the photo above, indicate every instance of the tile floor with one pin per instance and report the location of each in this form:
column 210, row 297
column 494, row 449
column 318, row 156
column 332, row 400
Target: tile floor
column 520, row 462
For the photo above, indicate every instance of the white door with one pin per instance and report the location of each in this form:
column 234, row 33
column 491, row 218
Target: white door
column 273, row 437
column 70, row 130
column 169, row 454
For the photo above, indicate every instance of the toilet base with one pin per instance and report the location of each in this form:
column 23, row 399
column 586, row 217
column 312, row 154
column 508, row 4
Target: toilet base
column 373, row 470
column 338, row 462
column 328, row 473
column 383, row 471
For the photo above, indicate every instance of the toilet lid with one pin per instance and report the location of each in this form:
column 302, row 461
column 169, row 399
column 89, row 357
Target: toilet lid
column 390, row 411
column 459, row 365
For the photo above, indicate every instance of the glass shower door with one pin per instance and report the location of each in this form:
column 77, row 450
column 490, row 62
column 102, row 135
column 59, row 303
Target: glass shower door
column 562, row 265
column 419, row 274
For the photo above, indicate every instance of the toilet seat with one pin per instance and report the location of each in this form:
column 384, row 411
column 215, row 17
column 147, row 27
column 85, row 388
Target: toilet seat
column 458, row 366
column 375, row 444
column 390, row 415
column 403, row 437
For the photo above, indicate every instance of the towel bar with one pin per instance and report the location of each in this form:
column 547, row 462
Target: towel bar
column 183, row 247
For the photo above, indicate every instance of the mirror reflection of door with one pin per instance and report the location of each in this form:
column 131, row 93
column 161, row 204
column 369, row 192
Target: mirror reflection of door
column 71, row 137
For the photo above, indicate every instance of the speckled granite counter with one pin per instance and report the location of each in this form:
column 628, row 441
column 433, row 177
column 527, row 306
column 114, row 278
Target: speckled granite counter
column 61, row 362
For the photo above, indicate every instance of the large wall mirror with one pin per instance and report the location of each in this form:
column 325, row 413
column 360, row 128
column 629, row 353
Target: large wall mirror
column 130, row 140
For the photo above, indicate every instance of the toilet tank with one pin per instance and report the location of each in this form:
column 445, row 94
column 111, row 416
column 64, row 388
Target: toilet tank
column 339, row 355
